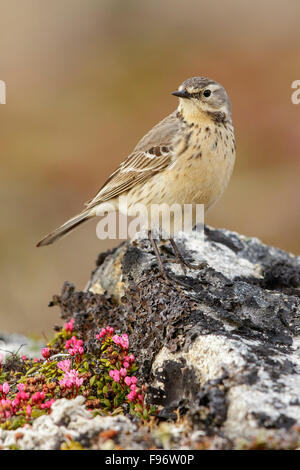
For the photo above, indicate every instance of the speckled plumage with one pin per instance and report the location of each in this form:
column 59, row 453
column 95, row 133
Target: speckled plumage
column 187, row 158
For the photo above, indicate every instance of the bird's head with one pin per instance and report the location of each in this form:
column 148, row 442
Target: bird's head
column 201, row 98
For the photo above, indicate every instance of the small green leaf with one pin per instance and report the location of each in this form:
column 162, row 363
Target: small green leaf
column 92, row 380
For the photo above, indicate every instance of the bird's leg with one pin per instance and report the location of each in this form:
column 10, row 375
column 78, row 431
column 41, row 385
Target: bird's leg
column 182, row 261
column 162, row 270
column 169, row 257
column 157, row 254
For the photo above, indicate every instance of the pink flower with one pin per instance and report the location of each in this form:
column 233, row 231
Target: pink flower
column 115, row 375
column 1, row 357
column 45, row 353
column 48, row 404
column 74, row 346
column 123, row 372
column 69, row 326
column 131, row 396
column 128, row 360
column 71, row 379
column 141, row 398
column 24, row 357
column 5, row 388
column 116, row 339
column 131, row 382
column 6, row 402
column 22, row 396
column 20, row 387
column 15, row 403
column 125, row 341
column 28, row 411
column 105, row 331
column 122, row 341
column 38, row 396
column 128, row 381
column 64, row 365
column 78, row 382
column 102, row 333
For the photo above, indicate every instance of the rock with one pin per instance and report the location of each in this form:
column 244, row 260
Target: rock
column 15, row 343
column 224, row 351
column 69, row 420
column 71, row 426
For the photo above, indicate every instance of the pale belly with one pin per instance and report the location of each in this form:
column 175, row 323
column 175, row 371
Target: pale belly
column 191, row 180
column 201, row 180
column 194, row 178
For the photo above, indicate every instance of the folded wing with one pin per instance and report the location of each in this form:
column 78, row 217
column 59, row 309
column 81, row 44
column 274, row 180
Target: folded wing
column 152, row 154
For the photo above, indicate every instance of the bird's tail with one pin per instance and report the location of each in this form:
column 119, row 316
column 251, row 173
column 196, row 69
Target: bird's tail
column 67, row 227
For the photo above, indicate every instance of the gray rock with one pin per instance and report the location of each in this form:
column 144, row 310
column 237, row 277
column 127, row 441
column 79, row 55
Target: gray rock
column 224, row 351
column 71, row 424
column 69, row 420
column 15, row 343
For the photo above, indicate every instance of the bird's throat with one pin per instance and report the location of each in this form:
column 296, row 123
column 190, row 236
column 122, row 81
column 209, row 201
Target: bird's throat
column 193, row 115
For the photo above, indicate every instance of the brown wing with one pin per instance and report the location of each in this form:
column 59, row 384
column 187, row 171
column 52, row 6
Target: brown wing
column 152, row 154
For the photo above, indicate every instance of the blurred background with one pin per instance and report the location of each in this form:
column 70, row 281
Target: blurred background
column 85, row 80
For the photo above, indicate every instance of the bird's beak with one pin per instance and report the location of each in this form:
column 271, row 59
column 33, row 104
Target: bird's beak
column 181, row 94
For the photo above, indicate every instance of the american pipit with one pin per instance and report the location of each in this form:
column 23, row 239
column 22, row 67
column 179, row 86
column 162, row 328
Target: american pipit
column 187, row 158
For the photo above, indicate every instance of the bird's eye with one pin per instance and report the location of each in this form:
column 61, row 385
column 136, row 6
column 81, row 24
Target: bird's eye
column 207, row 93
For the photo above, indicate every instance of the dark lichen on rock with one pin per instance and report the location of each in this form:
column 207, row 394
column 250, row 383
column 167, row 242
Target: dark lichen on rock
column 222, row 354
column 243, row 309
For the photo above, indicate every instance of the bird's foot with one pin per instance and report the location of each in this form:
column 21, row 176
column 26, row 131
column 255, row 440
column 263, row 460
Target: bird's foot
column 183, row 262
column 167, row 276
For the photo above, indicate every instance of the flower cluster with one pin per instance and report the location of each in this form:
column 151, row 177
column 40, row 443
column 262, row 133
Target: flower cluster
column 64, row 365
column 131, row 382
column 128, row 361
column 122, row 375
column 38, row 397
column 71, row 380
column 121, row 341
column 105, row 379
column 4, row 389
column 47, row 404
column 74, row 346
column 22, row 402
column 105, row 331
column 45, row 353
column 69, row 326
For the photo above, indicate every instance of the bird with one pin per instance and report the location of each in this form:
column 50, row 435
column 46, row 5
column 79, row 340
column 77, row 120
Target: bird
column 187, row 158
